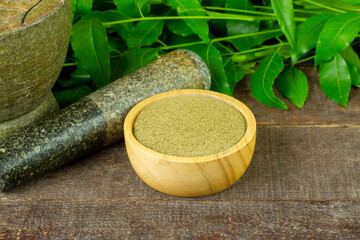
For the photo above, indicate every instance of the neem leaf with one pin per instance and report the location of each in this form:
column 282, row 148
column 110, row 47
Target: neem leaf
column 352, row 1
column 351, row 56
column 263, row 78
column 339, row 31
column 78, row 77
column 241, row 27
column 84, row 6
column 354, row 73
column 132, row 60
column 192, row 8
column 111, row 16
column 179, row 27
column 145, row 33
column 130, row 8
column 213, row 60
column 308, row 34
column 353, row 62
column 284, row 11
column 90, row 44
column 335, row 79
column 71, row 95
column 233, row 76
column 292, row 83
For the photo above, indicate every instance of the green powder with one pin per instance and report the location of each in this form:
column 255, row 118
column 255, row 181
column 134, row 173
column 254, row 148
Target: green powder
column 189, row 126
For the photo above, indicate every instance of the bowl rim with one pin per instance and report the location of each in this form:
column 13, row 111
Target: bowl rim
column 245, row 111
column 35, row 20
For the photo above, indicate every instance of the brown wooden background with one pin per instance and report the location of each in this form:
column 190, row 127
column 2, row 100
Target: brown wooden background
column 303, row 183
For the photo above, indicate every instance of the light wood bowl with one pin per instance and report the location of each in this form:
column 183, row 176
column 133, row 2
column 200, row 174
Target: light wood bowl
column 190, row 176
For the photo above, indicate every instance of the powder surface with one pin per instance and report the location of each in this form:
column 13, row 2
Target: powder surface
column 189, row 126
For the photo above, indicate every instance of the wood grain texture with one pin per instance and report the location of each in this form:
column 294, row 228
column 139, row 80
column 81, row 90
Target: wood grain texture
column 181, row 219
column 289, row 163
column 190, row 176
column 318, row 109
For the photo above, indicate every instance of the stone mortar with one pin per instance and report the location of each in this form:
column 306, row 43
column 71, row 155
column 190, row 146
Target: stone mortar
column 32, row 54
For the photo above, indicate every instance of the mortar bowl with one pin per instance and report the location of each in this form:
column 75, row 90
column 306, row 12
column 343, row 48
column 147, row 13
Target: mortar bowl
column 34, row 40
column 190, row 176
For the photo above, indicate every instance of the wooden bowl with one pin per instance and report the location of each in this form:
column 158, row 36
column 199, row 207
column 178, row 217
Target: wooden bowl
column 31, row 54
column 190, row 176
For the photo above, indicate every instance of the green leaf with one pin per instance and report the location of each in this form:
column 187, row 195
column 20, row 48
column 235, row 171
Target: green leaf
column 335, row 79
column 74, row 9
column 292, row 83
column 84, row 6
column 145, row 33
column 339, row 31
column 192, row 8
column 353, row 62
column 132, row 60
column 179, row 27
column 352, row 1
column 78, row 77
column 351, row 56
column 90, row 44
column 213, row 60
column 354, row 73
column 263, row 78
column 111, row 16
column 215, row 3
column 284, row 11
column 130, row 8
column 71, row 95
column 241, row 27
column 308, row 34
column 233, row 76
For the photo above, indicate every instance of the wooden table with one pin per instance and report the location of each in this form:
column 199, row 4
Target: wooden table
column 303, row 182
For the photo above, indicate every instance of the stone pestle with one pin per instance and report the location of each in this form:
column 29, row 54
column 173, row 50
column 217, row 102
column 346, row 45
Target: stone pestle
column 96, row 120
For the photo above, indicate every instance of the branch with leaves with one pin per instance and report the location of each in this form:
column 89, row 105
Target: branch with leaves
column 112, row 38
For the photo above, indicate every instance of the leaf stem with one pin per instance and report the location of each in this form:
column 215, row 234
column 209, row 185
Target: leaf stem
column 295, row 10
column 324, row 6
column 70, row 64
column 223, row 17
column 305, row 59
column 258, row 49
column 238, row 10
column 221, row 39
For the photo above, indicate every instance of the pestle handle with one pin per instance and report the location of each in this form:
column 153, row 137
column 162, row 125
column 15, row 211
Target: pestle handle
column 96, row 120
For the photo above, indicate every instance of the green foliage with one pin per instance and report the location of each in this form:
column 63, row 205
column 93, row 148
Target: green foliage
column 212, row 58
column 292, row 83
column 192, row 8
column 284, row 11
column 262, row 80
column 338, row 32
column 87, row 41
column 308, row 33
column 335, row 79
column 113, row 38
column 241, row 27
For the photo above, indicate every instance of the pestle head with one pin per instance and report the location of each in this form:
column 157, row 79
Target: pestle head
column 96, row 120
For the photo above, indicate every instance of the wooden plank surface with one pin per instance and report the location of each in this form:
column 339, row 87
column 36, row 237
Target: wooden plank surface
column 303, row 183
column 180, row 219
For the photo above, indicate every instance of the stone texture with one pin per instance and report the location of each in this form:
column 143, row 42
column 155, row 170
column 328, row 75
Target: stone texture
column 31, row 56
column 96, row 120
column 46, row 108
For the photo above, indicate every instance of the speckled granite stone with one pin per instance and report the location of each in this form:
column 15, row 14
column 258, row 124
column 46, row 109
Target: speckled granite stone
column 96, row 120
column 47, row 107
column 31, row 56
